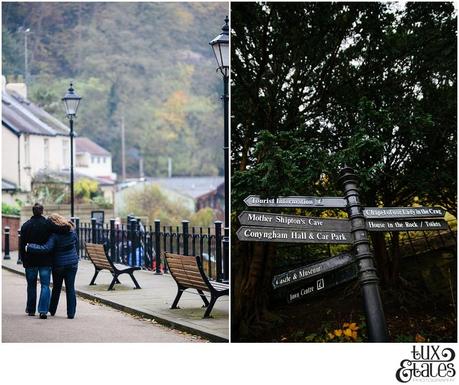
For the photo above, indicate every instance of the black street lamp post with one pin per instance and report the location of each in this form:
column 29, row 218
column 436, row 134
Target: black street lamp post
column 71, row 101
column 220, row 47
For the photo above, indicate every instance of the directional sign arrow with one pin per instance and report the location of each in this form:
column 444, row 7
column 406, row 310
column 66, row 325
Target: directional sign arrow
column 403, row 212
column 406, row 224
column 311, row 270
column 253, row 218
column 322, row 283
column 296, row 201
column 269, row 234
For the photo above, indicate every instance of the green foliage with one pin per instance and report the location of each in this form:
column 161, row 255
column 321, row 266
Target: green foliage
column 101, row 202
column 148, row 62
column 151, row 202
column 10, row 209
column 203, row 218
column 49, row 193
column 12, row 53
column 361, row 84
column 85, row 189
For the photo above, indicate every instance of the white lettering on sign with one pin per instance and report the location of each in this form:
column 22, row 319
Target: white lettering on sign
column 256, row 200
column 295, row 201
column 306, row 291
column 259, row 217
column 402, row 212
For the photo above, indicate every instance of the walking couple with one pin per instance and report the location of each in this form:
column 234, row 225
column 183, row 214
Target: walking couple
column 49, row 246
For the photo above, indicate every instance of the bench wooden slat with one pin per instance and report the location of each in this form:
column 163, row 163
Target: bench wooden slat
column 96, row 254
column 192, row 282
column 186, row 265
column 188, row 274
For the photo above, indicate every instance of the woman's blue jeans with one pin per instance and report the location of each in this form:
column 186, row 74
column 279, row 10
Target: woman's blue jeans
column 31, row 276
column 65, row 274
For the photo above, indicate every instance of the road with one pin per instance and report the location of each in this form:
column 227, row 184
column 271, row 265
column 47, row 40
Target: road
column 93, row 322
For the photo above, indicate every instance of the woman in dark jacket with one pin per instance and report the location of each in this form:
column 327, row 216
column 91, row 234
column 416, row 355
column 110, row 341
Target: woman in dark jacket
column 64, row 247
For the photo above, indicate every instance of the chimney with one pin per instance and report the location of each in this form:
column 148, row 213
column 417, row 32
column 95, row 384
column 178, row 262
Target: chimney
column 19, row 88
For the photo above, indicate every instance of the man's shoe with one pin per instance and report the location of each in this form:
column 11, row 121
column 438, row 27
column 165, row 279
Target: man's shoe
column 43, row 316
column 52, row 314
column 70, row 316
column 31, row 314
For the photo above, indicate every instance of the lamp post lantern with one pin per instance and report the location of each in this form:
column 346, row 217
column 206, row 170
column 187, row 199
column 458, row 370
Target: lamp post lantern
column 220, row 47
column 71, row 102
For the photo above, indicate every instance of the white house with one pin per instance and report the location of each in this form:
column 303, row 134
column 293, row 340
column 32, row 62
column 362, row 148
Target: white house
column 95, row 161
column 36, row 144
column 32, row 141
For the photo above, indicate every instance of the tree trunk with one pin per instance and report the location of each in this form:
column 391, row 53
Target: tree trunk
column 381, row 257
column 395, row 265
column 252, row 274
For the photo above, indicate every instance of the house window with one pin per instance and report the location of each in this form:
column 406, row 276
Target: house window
column 93, row 159
column 27, row 150
column 65, row 153
column 46, row 151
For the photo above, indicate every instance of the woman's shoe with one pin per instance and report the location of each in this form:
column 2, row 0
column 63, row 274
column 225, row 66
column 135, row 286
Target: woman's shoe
column 43, row 316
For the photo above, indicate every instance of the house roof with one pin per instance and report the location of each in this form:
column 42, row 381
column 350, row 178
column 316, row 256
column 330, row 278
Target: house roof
column 193, row 187
column 22, row 116
column 84, row 144
column 8, row 186
column 63, row 177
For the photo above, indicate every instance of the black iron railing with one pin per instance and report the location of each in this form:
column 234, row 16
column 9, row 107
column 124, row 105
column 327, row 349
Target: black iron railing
column 137, row 245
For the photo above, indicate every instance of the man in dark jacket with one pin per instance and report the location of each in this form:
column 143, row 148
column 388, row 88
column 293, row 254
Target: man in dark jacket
column 64, row 246
column 36, row 230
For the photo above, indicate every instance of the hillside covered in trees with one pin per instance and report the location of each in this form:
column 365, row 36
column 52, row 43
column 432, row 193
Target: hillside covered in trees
column 147, row 62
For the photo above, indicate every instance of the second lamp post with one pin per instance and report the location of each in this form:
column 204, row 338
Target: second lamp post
column 220, row 46
column 71, row 101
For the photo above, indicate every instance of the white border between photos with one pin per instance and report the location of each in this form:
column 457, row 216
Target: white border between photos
column 194, row 363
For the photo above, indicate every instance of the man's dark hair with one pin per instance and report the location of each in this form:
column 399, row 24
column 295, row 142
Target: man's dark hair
column 37, row 209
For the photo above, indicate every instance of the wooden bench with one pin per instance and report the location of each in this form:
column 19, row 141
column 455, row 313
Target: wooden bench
column 98, row 257
column 188, row 273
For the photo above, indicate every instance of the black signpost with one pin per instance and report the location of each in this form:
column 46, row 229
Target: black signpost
column 376, row 322
column 319, row 284
column 312, row 270
column 320, row 276
column 99, row 215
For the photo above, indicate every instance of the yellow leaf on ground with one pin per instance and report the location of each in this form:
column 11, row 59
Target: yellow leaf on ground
column 420, row 338
column 338, row 332
column 353, row 326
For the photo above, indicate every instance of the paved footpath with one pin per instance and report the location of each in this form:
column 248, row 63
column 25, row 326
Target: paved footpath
column 93, row 323
column 152, row 301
